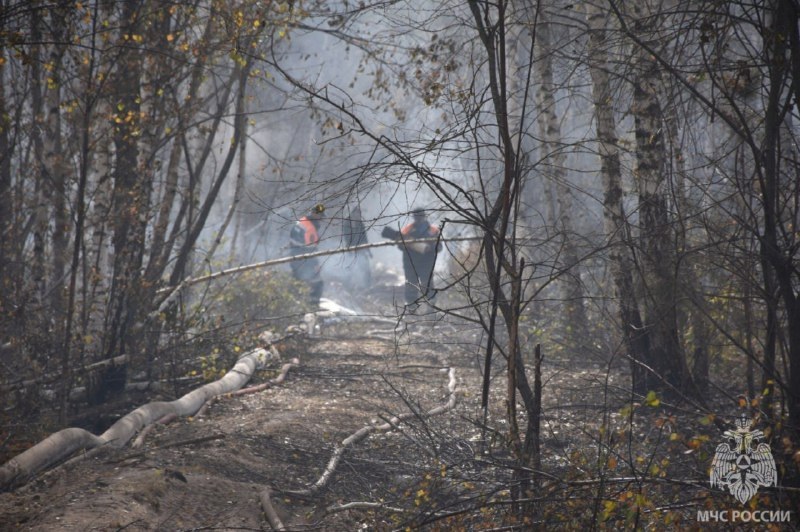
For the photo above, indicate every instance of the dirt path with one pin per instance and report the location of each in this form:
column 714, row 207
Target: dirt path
column 282, row 437
column 355, row 373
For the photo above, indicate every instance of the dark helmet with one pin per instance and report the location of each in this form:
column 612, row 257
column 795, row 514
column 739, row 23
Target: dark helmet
column 418, row 213
column 319, row 208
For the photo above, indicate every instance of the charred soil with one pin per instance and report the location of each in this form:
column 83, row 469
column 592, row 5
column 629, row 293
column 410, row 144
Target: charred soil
column 210, row 472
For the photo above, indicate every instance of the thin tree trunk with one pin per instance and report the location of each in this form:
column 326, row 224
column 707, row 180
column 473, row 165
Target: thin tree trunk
column 159, row 250
column 8, row 226
column 241, row 109
column 615, row 223
column 778, row 265
column 659, row 272
column 129, row 202
column 690, row 284
column 504, row 266
column 550, row 130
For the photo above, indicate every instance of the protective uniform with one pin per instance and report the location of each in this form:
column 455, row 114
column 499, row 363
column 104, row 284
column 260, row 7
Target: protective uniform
column 304, row 238
column 419, row 258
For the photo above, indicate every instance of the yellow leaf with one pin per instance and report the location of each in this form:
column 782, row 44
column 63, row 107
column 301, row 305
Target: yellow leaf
column 652, row 399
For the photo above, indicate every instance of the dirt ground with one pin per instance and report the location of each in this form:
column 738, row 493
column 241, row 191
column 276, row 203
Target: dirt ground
column 208, row 472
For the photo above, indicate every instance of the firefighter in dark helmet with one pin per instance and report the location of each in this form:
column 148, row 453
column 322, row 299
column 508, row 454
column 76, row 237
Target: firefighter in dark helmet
column 304, row 238
column 419, row 258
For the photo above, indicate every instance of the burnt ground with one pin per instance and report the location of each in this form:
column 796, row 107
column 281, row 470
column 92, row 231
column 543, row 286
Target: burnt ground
column 206, row 473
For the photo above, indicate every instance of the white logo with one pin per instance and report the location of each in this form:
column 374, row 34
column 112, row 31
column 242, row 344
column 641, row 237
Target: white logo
column 740, row 466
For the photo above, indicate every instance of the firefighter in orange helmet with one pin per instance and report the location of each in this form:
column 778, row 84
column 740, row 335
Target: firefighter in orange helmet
column 304, row 238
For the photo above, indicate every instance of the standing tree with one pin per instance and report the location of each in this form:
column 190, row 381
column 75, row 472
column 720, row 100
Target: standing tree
column 109, row 164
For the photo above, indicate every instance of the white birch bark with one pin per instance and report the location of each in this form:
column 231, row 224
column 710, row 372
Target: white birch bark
column 615, row 222
column 553, row 150
column 62, row 444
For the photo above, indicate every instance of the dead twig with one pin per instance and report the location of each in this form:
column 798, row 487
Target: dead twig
column 363, row 505
column 363, row 432
column 180, row 443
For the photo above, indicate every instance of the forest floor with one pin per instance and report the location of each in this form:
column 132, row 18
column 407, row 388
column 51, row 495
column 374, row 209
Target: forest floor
column 208, row 472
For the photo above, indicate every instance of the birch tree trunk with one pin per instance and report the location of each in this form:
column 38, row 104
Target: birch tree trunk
column 615, row 222
column 553, row 149
column 666, row 360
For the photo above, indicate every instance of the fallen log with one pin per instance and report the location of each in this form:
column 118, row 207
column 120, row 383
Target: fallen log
column 52, row 377
column 171, row 292
column 62, row 444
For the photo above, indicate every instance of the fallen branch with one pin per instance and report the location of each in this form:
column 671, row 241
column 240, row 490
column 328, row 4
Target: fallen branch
column 272, row 382
column 60, row 445
column 172, row 290
column 204, row 409
column 79, row 392
column 363, row 505
column 363, row 432
column 121, row 359
column 180, row 443
column 269, row 510
column 139, row 441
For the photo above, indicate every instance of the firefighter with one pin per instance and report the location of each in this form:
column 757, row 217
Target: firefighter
column 419, row 258
column 304, row 238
